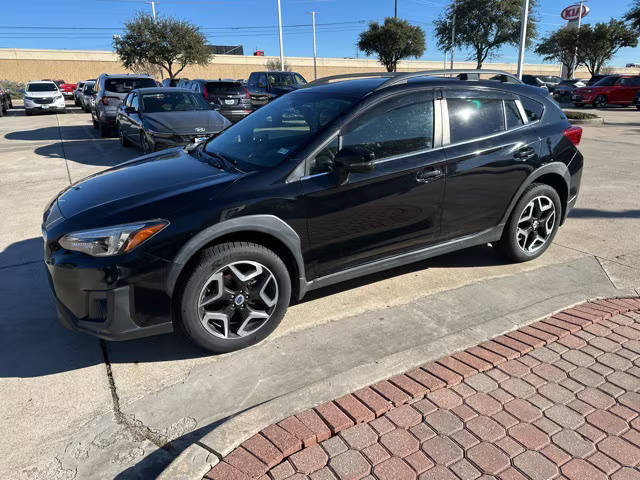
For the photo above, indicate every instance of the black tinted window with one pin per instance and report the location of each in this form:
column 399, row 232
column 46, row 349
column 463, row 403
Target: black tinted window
column 224, row 88
column 400, row 125
column 532, row 108
column 172, row 102
column 512, row 114
column 125, row 85
column 606, row 82
column 42, row 87
column 474, row 117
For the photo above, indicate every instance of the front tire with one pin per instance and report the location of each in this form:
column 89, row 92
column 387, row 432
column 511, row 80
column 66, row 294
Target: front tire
column 600, row 101
column 235, row 296
column 147, row 146
column 532, row 225
column 578, row 105
column 123, row 140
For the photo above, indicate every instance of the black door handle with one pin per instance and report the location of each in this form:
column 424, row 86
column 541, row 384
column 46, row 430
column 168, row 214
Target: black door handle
column 524, row 153
column 425, row 176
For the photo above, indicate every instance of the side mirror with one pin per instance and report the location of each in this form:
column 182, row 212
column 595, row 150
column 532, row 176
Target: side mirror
column 353, row 159
column 130, row 110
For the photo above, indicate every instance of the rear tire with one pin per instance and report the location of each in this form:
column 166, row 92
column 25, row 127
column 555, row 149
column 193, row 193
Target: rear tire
column 532, row 225
column 234, row 297
column 638, row 107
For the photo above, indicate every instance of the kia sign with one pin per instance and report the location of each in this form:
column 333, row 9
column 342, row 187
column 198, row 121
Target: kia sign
column 572, row 12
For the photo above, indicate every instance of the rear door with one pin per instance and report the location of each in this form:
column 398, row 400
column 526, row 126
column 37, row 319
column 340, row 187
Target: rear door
column 392, row 209
column 490, row 152
column 624, row 90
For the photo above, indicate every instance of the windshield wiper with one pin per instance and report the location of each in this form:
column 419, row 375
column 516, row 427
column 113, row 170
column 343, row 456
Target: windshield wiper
column 223, row 162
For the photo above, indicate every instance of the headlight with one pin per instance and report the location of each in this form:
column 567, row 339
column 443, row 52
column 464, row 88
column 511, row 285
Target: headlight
column 159, row 134
column 109, row 241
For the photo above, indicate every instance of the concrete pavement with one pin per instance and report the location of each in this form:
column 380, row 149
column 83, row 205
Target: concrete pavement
column 81, row 408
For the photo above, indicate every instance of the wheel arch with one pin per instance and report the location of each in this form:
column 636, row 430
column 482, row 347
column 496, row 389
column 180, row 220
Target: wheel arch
column 267, row 230
column 554, row 174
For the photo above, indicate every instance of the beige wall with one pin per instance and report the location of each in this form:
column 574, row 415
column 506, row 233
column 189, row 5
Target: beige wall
column 73, row 65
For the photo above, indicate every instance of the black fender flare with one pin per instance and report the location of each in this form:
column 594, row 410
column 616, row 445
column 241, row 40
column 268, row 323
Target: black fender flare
column 557, row 168
column 267, row 224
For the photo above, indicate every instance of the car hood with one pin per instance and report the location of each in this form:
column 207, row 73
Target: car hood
column 185, row 123
column 41, row 94
column 142, row 181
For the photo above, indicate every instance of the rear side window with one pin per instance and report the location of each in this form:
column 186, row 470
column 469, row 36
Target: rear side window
column 474, row 117
column 125, row 85
column 512, row 114
column 532, row 108
column 397, row 126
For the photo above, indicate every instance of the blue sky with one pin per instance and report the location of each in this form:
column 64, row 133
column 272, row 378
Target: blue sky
column 89, row 24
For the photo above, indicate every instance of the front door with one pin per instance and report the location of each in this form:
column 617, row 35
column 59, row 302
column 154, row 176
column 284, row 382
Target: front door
column 394, row 208
column 624, row 90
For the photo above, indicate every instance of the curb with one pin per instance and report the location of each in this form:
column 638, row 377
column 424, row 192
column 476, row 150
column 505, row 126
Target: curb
column 584, row 121
column 262, row 434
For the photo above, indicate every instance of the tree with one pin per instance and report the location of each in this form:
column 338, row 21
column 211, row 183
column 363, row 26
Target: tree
column 560, row 46
column 168, row 43
column 273, row 65
column 483, row 26
column 392, row 41
column 599, row 43
column 633, row 15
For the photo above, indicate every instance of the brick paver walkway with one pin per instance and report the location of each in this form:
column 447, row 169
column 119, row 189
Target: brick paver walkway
column 556, row 400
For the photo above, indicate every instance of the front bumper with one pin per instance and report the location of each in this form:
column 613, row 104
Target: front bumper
column 56, row 105
column 583, row 98
column 106, row 299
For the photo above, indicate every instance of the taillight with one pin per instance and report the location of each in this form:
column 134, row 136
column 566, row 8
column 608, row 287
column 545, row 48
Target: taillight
column 246, row 93
column 113, row 101
column 205, row 94
column 574, row 134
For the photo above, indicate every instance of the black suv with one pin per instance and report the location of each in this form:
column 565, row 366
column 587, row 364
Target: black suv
column 265, row 86
column 230, row 98
column 344, row 178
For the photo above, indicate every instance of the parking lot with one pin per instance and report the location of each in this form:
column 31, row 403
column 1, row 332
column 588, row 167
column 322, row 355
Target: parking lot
column 78, row 407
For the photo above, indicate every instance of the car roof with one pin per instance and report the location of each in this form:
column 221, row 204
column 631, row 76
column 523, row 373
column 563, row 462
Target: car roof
column 360, row 87
column 161, row 90
column 124, row 75
column 41, row 81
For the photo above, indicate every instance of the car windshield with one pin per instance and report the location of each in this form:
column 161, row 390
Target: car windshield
column 606, row 82
column 284, row 79
column 172, row 102
column 125, row 85
column 278, row 130
column 42, row 87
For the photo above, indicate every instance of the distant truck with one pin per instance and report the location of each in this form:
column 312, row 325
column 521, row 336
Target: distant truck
column 265, row 86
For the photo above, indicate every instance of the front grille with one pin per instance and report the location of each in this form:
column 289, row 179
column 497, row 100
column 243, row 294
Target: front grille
column 42, row 101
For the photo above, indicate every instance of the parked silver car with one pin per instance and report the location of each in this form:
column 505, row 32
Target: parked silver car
column 87, row 95
column 43, row 96
column 110, row 92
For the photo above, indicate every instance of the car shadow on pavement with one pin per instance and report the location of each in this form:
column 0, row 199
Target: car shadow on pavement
column 64, row 132
column 595, row 213
column 33, row 344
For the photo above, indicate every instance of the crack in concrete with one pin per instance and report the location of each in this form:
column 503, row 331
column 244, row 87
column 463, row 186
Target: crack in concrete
column 64, row 154
column 135, row 427
column 604, row 270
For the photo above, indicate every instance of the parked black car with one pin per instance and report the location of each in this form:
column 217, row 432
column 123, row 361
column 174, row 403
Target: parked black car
column 546, row 82
column 164, row 117
column 265, row 86
column 563, row 91
column 325, row 184
column 5, row 101
column 229, row 97
column 170, row 82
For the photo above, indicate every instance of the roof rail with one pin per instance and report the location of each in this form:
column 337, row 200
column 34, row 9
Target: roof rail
column 404, row 77
column 346, row 76
column 396, row 78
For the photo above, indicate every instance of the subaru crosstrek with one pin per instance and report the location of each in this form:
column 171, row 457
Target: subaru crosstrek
column 334, row 181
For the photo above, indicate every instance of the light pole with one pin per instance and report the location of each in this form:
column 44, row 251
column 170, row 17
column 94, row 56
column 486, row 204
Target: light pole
column 153, row 9
column 313, row 26
column 280, row 35
column 453, row 32
column 575, row 52
column 523, row 36
column 395, row 9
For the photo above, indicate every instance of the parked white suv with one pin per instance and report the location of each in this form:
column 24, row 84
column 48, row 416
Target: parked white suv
column 43, row 96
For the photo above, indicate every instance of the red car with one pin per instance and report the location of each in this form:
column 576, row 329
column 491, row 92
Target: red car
column 67, row 89
column 611, row 90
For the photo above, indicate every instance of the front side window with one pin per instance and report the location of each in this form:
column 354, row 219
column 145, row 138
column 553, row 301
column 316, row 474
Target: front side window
column 606, row 82
column 172, row 102
column 397, row 126
column 285, row 79
column 474, row 117
column 279, row 130
column 135, row 102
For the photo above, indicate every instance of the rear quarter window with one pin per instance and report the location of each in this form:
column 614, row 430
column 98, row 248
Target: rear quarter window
column 474, row 117
column 125, row 85
column 532, row 108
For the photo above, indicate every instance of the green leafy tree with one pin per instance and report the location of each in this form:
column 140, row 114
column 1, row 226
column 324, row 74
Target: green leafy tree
column 483, row 26
column 560, row 46
column 392, row 41
column 597, row 44
column 633, row 15
column 273, row 65
column 167, row 43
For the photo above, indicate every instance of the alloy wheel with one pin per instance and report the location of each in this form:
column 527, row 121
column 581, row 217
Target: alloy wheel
column 600, row 101
column 238, row 299
column 536, row 223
